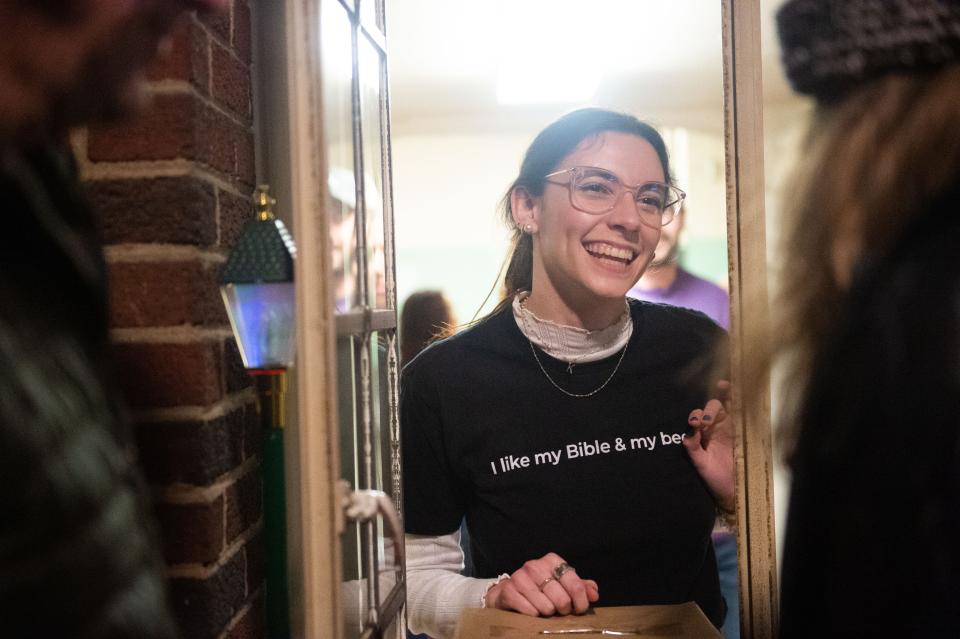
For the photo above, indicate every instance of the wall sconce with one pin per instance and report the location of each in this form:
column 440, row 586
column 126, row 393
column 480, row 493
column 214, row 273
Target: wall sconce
column 257, row 288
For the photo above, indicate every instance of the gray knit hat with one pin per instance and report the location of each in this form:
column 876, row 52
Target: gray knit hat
column 830, row 46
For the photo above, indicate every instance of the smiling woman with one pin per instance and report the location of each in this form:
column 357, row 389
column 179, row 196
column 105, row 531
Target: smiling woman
column 530, row 424
column 584, row 230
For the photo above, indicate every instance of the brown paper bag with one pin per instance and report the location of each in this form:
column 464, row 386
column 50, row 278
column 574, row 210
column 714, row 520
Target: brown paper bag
column 651, row 622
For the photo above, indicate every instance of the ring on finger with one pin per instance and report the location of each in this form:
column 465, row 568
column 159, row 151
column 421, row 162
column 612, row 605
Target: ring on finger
column 561, row 568
column 545, row 582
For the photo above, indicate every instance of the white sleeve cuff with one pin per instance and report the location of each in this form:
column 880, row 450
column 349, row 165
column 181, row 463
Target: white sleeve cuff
column 436, row 591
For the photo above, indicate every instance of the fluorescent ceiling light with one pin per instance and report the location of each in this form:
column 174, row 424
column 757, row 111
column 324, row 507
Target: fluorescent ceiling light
column 547, row 52
column 531, row 86
column 559, row 51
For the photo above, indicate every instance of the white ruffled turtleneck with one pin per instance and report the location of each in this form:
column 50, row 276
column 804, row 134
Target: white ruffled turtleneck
column 569, row 343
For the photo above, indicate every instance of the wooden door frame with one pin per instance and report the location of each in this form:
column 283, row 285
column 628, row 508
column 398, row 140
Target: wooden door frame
column 315, row 513
column 314, row 502
column 747, row 263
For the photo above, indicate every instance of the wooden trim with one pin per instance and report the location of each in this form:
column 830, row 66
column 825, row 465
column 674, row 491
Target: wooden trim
column 315, row 523
column 746, row 237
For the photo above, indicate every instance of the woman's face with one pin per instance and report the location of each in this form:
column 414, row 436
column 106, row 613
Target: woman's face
column 582, row 256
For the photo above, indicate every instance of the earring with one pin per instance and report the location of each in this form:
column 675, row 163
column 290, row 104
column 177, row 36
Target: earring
column 527, row 228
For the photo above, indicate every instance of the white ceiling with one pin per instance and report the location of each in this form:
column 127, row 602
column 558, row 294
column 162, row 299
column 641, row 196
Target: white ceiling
column 662, row 59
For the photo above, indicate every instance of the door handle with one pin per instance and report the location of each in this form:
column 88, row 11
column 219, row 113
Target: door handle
column 364, row 505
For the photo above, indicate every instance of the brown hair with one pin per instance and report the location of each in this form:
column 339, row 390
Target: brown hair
column 872, row 164
column 426, row 316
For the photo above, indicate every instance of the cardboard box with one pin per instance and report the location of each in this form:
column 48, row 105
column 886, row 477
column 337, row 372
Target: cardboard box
column 651, row 622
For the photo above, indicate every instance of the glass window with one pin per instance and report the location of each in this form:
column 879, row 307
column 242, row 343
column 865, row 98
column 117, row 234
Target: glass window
column 370, row 75
column 337, row 117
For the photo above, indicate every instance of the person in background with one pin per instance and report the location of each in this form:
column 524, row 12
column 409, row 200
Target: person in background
column 666, row 282
column 868, row 332
column 573, row 427
column 78, row 553
column 425, row 316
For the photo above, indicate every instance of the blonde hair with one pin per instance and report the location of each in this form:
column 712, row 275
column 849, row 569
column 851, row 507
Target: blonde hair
column 873, row 162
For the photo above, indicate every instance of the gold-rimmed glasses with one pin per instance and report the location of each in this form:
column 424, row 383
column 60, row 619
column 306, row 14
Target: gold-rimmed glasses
column 596, row 191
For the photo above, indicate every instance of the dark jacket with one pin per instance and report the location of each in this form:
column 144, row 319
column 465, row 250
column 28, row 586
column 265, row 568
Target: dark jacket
column 78, row 554
column 873, row 538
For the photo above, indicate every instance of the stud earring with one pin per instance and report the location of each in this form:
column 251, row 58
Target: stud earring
column 527, row 228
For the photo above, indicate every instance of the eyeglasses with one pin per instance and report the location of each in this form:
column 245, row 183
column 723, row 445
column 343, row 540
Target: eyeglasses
column 596, row 191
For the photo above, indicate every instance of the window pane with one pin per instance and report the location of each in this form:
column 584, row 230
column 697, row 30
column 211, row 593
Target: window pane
column 351, row 541
column 370, row 66
column 346, row 409
column 337, row 117
column 383, row 457
column 368, row 14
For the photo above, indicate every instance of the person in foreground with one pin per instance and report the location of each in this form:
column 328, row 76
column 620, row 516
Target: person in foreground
column 870, row 326
column 78, row 554
column 572, row 427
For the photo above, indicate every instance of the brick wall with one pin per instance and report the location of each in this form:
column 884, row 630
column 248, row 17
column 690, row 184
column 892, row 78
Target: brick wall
column 173, row 191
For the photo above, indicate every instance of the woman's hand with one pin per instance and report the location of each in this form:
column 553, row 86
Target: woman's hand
column 544, row 587
column 711, row 447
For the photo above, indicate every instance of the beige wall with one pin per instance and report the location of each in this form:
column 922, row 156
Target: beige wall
column 447, row 187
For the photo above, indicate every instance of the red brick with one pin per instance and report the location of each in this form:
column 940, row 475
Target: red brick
column 242, row 33
column 235, row 212
column 230, row 81
column 164, row 375
column 165, row 131
column 165, row 294
column 204, row 607
column 246, row 166
column 188, row 59
column 227, row 147
column 252, row 622
column 194, row 452
column 235, row 376
column 192, row 533
column 218, row 22
column 170, row 210
column 252, row 434
column 218, row 141
column 244, row 503
column 256, row 551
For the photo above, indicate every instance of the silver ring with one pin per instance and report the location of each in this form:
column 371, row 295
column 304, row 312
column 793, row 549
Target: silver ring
column 561, row 568
column 545, row 582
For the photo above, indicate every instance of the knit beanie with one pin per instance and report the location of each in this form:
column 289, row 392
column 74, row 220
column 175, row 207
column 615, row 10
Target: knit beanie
column 831, row 46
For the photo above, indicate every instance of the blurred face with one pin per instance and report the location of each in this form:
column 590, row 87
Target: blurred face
column 63, row 62
column 583, row 257
column 668, row 248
